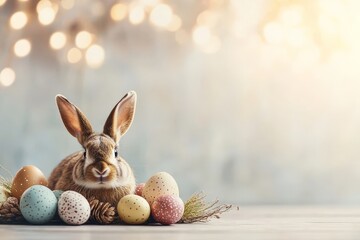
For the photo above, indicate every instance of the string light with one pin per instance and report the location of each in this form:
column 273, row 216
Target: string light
column 161, row 15
column 83, row 39
column 22, row 47
column 136, row 15
column 2, row 2
column 18, row 20
column 57, row 40
column 95, row 56
column 46, row 12
column 7, row 77
column 118, row 12
column 74, row 55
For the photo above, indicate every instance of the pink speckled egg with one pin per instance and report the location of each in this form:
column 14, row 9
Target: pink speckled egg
column 73, row 208
column 167, row 209
column 139, row 189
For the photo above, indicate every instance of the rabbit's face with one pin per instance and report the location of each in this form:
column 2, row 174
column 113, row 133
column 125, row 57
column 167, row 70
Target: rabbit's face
column 101, row 167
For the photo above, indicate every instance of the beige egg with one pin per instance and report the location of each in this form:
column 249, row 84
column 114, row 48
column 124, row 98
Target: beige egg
column 133, row 209
column 26, row 177
column 161, row 183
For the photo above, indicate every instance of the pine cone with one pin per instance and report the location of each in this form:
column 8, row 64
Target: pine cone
column 101, row 212
column 10, row 211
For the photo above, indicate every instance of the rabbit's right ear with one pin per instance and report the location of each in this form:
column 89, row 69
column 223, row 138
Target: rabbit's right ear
column 74, row 120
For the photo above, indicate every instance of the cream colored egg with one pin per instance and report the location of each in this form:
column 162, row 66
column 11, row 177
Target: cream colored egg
column 162, row 183
column 133, row 209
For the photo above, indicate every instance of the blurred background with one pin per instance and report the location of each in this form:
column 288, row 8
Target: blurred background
column 254, row 102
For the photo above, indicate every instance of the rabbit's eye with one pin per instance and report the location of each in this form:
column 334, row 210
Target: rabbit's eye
column 84, row 154
column 116, row 153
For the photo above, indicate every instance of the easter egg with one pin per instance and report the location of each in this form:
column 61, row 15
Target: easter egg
column 167, row 209
column 133, row 209
column 26, row 177
column 161, row 183
column 58, row 193
column 38, row 204
column 3, row 194
column 73, row 208
column 139, row 189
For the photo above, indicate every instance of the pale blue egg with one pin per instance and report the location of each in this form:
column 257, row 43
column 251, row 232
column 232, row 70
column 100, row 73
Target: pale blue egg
column 38, row 204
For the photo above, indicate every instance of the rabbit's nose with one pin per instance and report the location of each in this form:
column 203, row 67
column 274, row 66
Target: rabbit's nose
column 101, row 173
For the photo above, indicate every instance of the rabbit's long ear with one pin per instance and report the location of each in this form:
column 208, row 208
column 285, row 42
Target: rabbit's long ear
column 74, row 120
column 121, row 117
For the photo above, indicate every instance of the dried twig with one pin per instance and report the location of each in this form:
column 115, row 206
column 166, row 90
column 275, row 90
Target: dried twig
column 198, row 210
column 6, row 182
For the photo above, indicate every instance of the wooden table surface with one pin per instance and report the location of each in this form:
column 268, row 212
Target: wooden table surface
column 255, row 222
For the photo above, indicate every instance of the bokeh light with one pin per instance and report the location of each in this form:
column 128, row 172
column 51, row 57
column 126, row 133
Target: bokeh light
column 274, row 33
column 175, row 24
column 46, row 12
column 7, row 77
column 57, row 40
column 67, row 4
column 18, row 20
column 74, row 55
column 22, row 47
column 83, row 39
column 201, row 35
column 95, row 56
column 136, row 15
column 118, row 12
column 161, row 15
column 2, row 2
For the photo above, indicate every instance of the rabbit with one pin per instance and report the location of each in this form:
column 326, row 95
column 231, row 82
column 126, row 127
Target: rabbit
column 97, row 171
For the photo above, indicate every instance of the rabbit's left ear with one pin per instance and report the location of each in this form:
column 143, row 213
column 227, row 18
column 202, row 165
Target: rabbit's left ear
column 121, row 117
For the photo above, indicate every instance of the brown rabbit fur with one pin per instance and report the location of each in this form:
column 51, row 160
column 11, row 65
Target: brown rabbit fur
column 97, row 171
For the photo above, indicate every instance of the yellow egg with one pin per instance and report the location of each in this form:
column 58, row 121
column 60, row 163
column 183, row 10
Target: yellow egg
column 26, row 177
column 161, row 183
column 133, row 209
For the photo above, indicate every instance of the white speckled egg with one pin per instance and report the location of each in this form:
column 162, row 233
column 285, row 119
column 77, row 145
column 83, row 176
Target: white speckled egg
column 38, row 204
column 133, row 209
column 167, row 209
column 73, row 208
column 161, row 183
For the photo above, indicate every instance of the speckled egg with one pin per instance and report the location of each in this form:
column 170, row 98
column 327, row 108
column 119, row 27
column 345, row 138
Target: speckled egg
column 38, row 204
column 26, row 177
column 167, row 209
column 58, row 193
column 73, row 208
column 133, row 209
column 161, row 183
column 139, row 189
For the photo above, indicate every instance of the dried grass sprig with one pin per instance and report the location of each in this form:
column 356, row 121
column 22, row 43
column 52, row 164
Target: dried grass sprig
column 198, row 210
column 6, row 181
